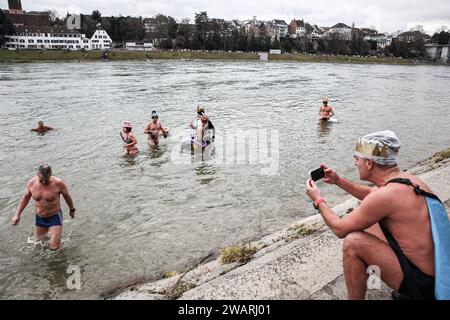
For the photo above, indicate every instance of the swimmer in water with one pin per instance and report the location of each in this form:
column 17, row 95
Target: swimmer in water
column 326, row 111
column 154, row 128
column 41, row 128
column 194, row 124
column 129, row 139
column 46, row 190
column 202, row 137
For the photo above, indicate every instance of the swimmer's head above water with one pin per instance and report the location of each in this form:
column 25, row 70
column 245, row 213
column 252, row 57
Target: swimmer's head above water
column 127, row 126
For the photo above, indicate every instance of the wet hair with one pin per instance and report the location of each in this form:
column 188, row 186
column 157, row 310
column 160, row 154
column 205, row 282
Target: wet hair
column 128, row 130
column 45, row 170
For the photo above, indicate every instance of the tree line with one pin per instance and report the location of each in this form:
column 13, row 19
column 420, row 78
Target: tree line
column 216, row 34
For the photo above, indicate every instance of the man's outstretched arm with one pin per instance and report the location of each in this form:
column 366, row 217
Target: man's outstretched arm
column 359, row 191
column 22, row 204
column 67, row 197
column 374, row 208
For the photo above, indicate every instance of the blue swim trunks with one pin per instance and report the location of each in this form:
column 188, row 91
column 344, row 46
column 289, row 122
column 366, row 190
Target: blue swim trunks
column 54, row 220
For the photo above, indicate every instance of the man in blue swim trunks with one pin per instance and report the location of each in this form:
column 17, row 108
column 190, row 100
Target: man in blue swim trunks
column 46, row 191
column 391, row 227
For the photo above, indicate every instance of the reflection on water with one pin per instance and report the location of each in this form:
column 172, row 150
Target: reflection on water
column 324, row 129
column 129, row 160
column 206, row 173
column 158, row 151
column 148, row 214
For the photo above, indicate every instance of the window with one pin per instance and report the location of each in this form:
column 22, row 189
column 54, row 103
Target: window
column 47, row 41
column 21, row 41
column 39, row 41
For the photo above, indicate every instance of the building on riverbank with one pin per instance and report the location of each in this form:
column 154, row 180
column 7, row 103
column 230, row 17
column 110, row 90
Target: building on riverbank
column 34, row 31
column 139, row 46
column 27, row 37
column 48, row 38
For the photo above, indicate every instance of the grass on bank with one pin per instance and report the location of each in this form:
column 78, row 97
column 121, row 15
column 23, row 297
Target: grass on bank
column 62, row 55
column 172, row 273
column 445, row 154
column 178, row 290
column 301, row 231
column 337, row 59
column 237, row 254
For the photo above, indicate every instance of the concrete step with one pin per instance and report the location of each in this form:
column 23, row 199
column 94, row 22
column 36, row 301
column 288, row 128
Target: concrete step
column 295, row 271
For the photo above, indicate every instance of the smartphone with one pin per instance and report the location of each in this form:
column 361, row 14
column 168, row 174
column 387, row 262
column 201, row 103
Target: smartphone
column 317, row 174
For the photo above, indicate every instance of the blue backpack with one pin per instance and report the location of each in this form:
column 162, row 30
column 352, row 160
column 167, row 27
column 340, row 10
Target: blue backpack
column 440, row 228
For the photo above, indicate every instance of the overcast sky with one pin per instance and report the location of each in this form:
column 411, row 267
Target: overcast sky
column 385, row 15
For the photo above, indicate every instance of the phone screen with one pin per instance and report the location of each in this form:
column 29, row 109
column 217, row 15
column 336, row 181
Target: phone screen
column 317, row 174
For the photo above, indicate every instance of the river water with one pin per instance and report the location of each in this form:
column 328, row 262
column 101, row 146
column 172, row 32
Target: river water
column 140, row 217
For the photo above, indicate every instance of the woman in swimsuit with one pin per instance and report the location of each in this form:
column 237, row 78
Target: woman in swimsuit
column 201, row 139
column 129, row 139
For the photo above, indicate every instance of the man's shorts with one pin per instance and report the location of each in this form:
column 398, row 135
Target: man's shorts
column 54, row 220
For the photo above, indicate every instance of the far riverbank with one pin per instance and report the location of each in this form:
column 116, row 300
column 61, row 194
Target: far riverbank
column 61, row 55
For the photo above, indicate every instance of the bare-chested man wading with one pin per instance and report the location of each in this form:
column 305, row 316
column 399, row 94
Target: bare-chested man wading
column 46, row 191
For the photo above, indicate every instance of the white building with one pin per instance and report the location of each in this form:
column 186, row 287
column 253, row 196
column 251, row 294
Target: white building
column 382, row 40
column 343, row 31
column 316, row 33
column 49, row 38
column 139, row 46
column 100, row 40
column 281, row 27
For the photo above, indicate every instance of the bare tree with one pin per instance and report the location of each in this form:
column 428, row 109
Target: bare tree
column 53, row 15
column 442, row 29
column 419, row 28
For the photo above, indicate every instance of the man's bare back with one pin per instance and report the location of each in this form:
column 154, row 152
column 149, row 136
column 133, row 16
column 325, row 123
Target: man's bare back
column 413, row 234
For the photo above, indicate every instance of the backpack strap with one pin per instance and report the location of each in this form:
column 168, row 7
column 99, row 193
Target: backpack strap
column 416, row 187
column 404, row 263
